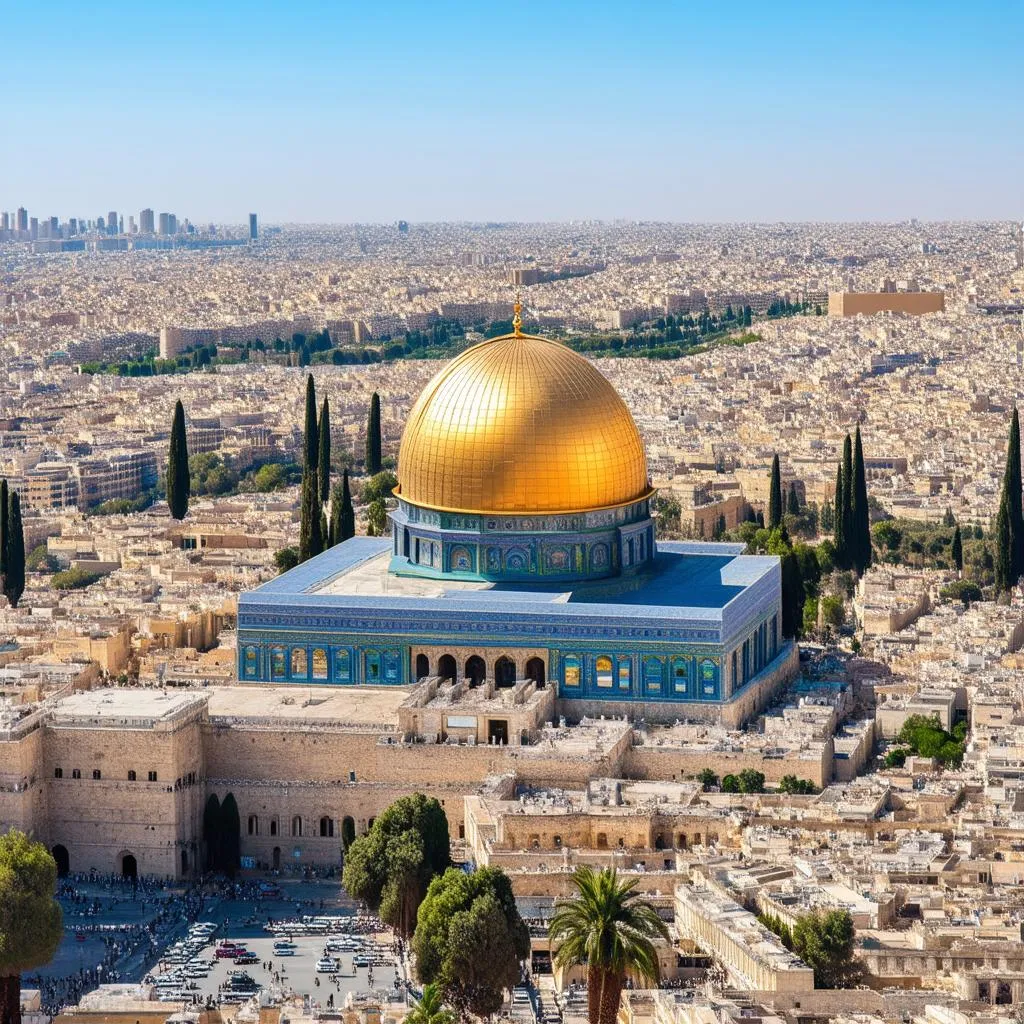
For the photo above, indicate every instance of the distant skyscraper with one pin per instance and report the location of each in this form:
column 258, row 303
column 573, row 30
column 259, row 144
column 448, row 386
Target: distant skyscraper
column 146, row 223
column 112, row 222
column 165, row 223
column 253, row 230
column 22, row 224
column 172, row 224
column 5, row 221
column 101, row 224
column 33, row 228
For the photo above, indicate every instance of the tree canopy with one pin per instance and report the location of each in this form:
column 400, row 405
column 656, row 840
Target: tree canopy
column 470, row 939
column 824, row 941
column 391, row 866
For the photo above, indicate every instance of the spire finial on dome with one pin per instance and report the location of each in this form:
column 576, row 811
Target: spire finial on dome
column 517, row 320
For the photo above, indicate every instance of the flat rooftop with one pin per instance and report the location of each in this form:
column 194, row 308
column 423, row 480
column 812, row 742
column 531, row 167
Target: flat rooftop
column 364, row 705
column 694, row 581
column 123, row 707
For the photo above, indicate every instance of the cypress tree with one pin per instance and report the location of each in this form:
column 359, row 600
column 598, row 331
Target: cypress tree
column 344, row 515
column 310, row 440
column 324, row 451
column 860, row 515
column 849, row 535
column 14, row 578
column 793, row 506
column 838, row 518
column 1012, row 490
column 957, row 551
column 775, row 495
column 178, row 480
column 793, row 596
column 4, row 500
column 310, row 537
column 1004, row 548
column 373, row 436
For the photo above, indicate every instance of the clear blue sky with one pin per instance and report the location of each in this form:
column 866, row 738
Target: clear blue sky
column 377, row 110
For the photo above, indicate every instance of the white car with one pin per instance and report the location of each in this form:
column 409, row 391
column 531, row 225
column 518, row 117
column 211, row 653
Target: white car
column 326, row 965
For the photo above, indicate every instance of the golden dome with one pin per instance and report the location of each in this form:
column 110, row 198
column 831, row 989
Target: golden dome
column 525, row 425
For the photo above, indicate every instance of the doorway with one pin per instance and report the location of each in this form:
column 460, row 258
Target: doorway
column 60, row 855
column 276, row 858
column 446, row 667
column 422, row 666
column 476, row 670
column 497, row 731
column 535, row 671
column 129, row 866
column 505, row 672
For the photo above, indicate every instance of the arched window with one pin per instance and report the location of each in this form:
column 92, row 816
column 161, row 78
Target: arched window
column 251, row 662
column 273, row 826
column 625, row 673
column 476, row 670
column 298, row 662
column 446, row 667
column 297, row 826
column 535, row 670
column 254, row 825
column 277, row 663
column 505, row 671
column 603, row 670
column 326, row 827
column 571, row 670
column 709, row 677
column 654, row 671
column 342, row 667
column 373, row 666
column 422, row 666
column 680, row 675
column 319, row 663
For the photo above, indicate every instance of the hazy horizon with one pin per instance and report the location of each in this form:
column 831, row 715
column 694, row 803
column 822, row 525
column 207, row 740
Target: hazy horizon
column 569, row 112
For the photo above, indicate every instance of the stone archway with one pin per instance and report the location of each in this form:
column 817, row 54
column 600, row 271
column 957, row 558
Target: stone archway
column 129, row 866
column 63, row 860
column 536, row 671
column 505, row 671
column 446, row 667
column 276, row 858
column 476, row 670
column 422, row 666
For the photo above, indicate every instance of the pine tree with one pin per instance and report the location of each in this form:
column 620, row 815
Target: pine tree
column 1005, row 578
column 957, row 551
column 839, row 519
column 1012, row 490
column 178, row 478
column 775, row 495
column 793, row 504
column 324, row 452
column 860, row 514
column 373, row 436
column 14, row 578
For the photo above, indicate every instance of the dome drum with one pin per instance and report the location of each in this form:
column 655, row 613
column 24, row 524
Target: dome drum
column 564, row 549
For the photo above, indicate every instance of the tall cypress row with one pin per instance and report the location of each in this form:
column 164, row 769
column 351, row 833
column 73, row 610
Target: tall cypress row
column 324, row 451
column 178, row 479
column 838, row 519
column 373, row 459
column 775, row 495
column 310, row 538
column 1012, row 490
column 4, row 499
column 849, row 537
column 861, row 513
column 14, row 578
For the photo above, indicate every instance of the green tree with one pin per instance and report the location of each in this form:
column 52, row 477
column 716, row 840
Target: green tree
column 1004, row 576
column 860, row 518
column 824, row 940
column 323, row 470
column 376, row 518
column 849, row 533
column 230, row 836
column 211, row 831
column 380, row 485
column 286, row 558
column 5, row 508
column 791, row 784
column 957, row 550
column 775, row 495
column 707, row 778
column 730, row 784
column 31, row 923
column 343, row 515
column 373, row 465
column 178, row 477
column 429, row 1009
column 793, row 501
column 1012, row 490
column 271, row 477
column 793, row 596
column 607, row 927
column 887, row 535
column 470, row 939
column 751, row 781
column 348, row 833
column 14, row 577
column 310, row 538
column 391, row 866
column 839, row 519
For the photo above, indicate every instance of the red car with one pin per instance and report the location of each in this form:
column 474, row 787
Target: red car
column 229, row 950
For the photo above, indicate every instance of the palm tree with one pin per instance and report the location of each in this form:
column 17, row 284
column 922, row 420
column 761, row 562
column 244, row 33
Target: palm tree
column 611, row 929
column 430, row 1009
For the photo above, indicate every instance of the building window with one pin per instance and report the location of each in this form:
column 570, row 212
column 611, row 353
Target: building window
column 299, row 670
column 251, row 663
column 709, row 677
column 342, row 667
column 131, row 775
column 319, row 663
column 654, row 671
column 277, row 663
column 392, row 667
column 76, row 773
column 96, row 774
column 152, row 776
column 326, row 827
column 571, row 671
column 297, row 826
column 373, row 666
column 625, row 673
column 351, row 776
column 680, row 675
column 254, row 825
column 273, row 826
column 603, row 670
column 58, row 773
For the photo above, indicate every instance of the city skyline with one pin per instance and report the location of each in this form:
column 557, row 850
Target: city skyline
column 458, row 115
